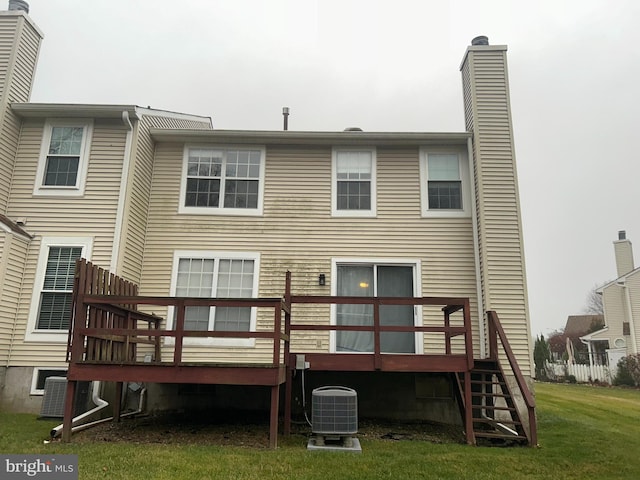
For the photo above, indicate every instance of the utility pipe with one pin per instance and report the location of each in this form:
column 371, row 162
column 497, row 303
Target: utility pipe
column 78, row 428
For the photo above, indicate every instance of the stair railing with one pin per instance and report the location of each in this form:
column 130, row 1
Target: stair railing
column 496, row 331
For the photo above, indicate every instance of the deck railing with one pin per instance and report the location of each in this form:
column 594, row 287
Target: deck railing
column 497, row 332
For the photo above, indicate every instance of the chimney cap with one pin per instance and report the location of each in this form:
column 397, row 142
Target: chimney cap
column 480, row 40
column 19, row 5
column 622, row 235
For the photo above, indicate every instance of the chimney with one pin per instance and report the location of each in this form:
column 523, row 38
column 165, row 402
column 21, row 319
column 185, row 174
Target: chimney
column 19, row 45
column 624, row 254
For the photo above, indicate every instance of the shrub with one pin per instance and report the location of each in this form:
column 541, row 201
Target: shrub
column 628, row 371
column 572, row 379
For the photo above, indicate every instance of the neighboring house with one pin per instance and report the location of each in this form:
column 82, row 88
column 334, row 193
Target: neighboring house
column 621, row 302
column 166, row 201
column 576, row 327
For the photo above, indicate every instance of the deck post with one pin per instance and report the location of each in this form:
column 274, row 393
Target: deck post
column 273, row 420
column 117, row 404
column 493, row 337
column 67, row 422
column 377, row 358
column 468, row 410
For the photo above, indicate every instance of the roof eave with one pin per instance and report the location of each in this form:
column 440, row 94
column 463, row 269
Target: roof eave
column 288, row 137
column 72, row 110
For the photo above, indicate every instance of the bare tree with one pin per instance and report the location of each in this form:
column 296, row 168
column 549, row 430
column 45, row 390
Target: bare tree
column 594, row 302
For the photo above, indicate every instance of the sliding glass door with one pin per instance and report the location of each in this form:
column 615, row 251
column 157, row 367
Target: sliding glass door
column 372, row 280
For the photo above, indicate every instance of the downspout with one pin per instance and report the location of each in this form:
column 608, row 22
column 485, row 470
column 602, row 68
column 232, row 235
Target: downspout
column 95, row 398
column 632, row 327
column 143, row 395
column 124, row 180
column 476, row 253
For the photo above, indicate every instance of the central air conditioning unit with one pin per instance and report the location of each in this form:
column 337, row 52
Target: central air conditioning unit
column 334, row 411
column 55, row 392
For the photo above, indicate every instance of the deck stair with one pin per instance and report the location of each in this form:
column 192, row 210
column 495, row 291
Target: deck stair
column 496, row 420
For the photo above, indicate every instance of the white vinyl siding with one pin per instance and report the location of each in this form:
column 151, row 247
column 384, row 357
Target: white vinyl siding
column 64, row 156
column 353, row 182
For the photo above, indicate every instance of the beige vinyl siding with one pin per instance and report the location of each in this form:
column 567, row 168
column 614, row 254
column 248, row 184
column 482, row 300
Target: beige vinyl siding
column 298, row 233
column 138, row 189
column 615, row 308
column 92, row 215
column 633, row 284
column 13, row 254
column 19, row 44
column 503, row 278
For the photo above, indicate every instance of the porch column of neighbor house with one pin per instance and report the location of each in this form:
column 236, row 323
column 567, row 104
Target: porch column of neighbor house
column 19, row 47
column 499, row 229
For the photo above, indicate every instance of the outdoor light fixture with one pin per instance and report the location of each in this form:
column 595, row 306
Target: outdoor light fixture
column 364, row 285
column 322, row 280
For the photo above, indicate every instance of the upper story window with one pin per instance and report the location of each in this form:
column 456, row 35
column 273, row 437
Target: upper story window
column 222, row 180
column 64, row 156
column 50, row 313
column 444, row 185
column 354, row 182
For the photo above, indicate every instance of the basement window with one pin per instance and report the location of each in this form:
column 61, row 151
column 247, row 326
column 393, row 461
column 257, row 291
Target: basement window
column 40, row 375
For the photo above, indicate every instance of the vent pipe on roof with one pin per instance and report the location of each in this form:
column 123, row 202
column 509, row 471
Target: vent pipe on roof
column 353, row 129
column 480, row 40
column 285, row 114
column 19, row 5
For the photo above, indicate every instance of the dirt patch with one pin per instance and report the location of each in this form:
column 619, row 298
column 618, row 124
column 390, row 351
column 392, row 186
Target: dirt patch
column 248, row 430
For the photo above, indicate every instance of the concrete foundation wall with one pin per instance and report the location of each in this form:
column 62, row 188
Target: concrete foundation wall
column 15, row 391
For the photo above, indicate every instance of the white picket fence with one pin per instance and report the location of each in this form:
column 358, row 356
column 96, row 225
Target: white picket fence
column 583, row 373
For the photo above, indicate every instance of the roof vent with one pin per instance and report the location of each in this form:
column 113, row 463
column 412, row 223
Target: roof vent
column 622, row 235
column 353, row 129
column 19, row 5
column 480, row 40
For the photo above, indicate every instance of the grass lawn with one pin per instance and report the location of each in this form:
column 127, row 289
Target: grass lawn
column 584, row 432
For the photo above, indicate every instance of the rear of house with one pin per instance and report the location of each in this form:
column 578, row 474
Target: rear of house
column 184, row 210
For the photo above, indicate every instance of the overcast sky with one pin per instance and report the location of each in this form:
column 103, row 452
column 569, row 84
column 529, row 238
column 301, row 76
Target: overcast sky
column 574, row 69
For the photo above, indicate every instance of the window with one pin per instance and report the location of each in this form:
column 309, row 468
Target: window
column 220, row 275
column 222, row 180
column 63, row 158
column 50, row 313
column 40, row 375
column 354, row 182
column 375, row 279
column 443, row 178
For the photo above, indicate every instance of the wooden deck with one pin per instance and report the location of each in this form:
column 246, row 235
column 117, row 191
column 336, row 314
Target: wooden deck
column 111, row 340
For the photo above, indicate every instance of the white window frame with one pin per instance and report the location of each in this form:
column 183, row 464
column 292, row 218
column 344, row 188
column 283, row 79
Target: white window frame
column 416, row 264
column 32, row 334
column 334, row 183
column 216, row 256
column 463, row 164
column 221, row 210
column 34, row 379
column 40, row 189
